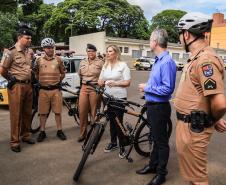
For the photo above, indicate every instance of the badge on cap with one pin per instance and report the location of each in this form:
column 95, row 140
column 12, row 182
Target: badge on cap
column 210, row 84
column 207, row 70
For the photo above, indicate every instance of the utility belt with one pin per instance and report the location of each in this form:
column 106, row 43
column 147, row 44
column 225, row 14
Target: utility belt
column 50, row 87
column 198, row 120
column 23, row 81
column 12, row 81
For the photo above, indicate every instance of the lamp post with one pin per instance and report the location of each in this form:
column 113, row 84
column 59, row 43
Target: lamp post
column 72, row 11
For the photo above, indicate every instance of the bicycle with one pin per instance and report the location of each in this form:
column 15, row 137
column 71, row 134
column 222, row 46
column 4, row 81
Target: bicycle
column 138, row 136
column 72, row 108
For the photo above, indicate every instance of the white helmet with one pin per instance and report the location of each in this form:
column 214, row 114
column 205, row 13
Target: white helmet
column 47, row 42
column 195, row 22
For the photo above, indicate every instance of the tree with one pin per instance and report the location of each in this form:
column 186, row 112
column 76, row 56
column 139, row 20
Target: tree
column 36, row 20
column 117, row 18
column 168, row 19
column 8, row 6
column 7, row 29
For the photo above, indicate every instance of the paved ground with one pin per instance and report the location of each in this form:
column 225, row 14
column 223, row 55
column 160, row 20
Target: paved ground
column 53, row 162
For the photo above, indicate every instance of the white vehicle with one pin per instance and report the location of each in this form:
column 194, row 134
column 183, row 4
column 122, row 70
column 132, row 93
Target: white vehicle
column 72, row 77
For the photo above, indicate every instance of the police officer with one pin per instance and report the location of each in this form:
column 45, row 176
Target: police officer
column 50, row 71
column 89, row 70
column 16, row 68
column 199, row 100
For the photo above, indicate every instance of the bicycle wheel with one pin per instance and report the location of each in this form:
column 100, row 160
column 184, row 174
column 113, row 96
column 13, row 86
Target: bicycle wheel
column 88, row 148
column 142, row 144
column 35, row 122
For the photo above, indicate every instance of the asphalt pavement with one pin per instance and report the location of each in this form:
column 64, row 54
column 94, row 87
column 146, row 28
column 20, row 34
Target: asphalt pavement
column 53, row 162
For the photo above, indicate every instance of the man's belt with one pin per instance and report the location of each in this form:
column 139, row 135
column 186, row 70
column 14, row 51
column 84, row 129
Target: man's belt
column 50, row 87
column 23, row 81
column 183, row 117
column 156, row 103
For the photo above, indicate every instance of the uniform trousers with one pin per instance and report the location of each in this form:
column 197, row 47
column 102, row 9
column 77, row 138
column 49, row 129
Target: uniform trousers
column 20, row 107
column 192, row 153
column 158, row 117
column 88, row 99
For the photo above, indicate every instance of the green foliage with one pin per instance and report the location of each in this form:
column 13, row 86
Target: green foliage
column 30, row 6
column 7, row 29
column 8, row 6
column 36, row 20
column 168, row 19
column 118, row 18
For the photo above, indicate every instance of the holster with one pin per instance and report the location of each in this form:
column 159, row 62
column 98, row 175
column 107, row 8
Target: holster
column 11, row 82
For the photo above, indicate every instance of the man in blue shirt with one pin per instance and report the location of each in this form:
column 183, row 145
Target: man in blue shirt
column 158, row 91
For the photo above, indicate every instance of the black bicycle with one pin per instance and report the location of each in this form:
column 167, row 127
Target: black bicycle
column 71, row 106
column 138, row 136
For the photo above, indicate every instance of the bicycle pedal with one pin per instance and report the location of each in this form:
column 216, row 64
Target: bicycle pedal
column 130, row 160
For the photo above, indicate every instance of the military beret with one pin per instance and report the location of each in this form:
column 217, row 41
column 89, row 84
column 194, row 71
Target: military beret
column 91, row 46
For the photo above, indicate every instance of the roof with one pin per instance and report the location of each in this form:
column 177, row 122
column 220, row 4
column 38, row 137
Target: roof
column 135, row 41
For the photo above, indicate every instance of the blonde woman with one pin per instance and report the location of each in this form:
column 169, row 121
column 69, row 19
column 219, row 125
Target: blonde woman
column 115, row 76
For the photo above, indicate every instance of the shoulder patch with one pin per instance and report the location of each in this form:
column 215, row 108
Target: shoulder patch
column 207, row 70
column 210, row 84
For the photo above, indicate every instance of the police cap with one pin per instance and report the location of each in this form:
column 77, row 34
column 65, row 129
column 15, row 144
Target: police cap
column 91, row 46
column 24, row 30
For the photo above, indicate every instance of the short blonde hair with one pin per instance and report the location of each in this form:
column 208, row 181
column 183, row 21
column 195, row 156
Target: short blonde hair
column 116, row 50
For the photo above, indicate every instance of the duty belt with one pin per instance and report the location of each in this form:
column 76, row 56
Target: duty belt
column 183, row 117
column 23, row 81
column 51, row 87
column 208, row 120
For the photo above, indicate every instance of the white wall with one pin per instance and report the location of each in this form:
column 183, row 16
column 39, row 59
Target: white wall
column 78, row 43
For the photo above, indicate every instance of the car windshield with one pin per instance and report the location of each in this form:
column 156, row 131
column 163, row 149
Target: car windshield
column 144, row 60
column 71, row 65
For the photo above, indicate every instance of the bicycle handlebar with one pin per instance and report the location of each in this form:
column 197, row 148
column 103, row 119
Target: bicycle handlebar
column 101, row 90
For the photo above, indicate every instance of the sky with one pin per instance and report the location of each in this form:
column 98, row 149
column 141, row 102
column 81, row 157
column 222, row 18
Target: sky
column 152, row 7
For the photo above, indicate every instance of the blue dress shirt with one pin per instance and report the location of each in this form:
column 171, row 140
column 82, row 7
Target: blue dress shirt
column 161, row 82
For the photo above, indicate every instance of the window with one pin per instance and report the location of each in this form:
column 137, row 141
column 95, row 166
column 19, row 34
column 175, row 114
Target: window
column 120, row 49
column 150, row 54
column 136, row 53
column 71, row 65
column 185, row 56
column 126, row 49
column 175, row 56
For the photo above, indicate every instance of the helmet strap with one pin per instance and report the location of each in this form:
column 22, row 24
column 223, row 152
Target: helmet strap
column 187, row 45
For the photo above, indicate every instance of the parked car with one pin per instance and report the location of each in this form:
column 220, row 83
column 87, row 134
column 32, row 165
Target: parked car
column 143, row 63
column 72, row 77
column 3, row 91
column 180, row 65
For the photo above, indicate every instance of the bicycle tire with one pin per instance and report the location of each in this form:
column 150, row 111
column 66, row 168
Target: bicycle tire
column 35, row 122
column 91, row 142
column 144, row 147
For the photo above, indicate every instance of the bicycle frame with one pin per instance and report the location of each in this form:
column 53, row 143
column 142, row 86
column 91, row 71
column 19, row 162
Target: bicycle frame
column 131, row 134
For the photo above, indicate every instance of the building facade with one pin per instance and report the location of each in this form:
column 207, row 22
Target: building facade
column 218, row 32
column 131, row 49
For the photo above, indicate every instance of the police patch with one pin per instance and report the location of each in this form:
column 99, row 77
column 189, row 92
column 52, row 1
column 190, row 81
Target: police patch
column 210, row 84
column 207, row 70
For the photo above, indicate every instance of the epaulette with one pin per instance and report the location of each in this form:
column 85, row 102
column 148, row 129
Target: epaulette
column 11, row 48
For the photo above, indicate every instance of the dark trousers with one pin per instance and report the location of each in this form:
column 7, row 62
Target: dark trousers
column 158, row 117
column 114, row 130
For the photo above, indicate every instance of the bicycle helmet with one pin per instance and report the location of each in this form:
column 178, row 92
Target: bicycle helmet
column 195, row 22
column 47, row 42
